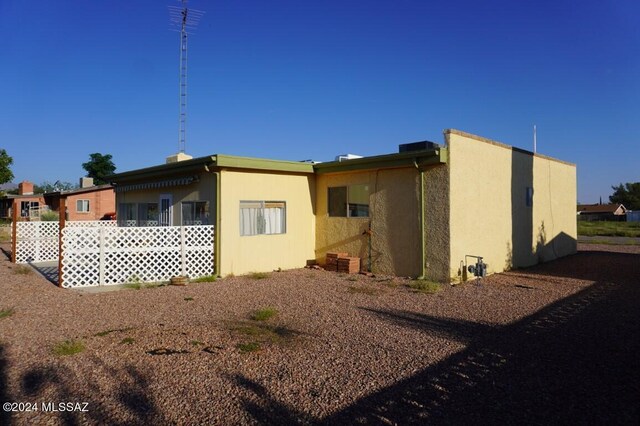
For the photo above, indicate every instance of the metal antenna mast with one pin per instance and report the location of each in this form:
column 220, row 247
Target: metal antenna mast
column 184, row 20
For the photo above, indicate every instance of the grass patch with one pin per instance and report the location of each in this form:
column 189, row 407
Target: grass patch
column 4, row 313
column 5, row 236
column 363, row 290
column 188, row 299
column 259, row 275
column 609, row 229
column 248, row 347
column 352, row 278
column 197, row 343
column 127, row 341
column 115, row 330
column 264, row 333
column 22, row 270
column 424, row 286
column 205, row 279
column 264, row 314
column 68, row 347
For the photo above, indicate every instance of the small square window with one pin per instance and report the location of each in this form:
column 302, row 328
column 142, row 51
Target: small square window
column 82, row 206
column 348, row 201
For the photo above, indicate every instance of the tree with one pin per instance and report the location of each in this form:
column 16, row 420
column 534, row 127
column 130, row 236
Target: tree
column 47, row 186
column 6, row 175
column 627, row 194
column 98, row 167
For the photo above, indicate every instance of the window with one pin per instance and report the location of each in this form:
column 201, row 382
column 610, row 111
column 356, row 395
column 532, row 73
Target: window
column 127, row 214
column 349, row 201
column 262, row 217
column 82, row 206
column 195, row 213
column 27, row 206
column 148, row 214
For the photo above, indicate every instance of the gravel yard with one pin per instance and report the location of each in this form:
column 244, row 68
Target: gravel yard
column 557, row 343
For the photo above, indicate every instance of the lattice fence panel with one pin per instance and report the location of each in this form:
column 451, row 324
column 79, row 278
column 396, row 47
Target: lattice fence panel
column 118, row 255
column 91, row 223
column 36, row 241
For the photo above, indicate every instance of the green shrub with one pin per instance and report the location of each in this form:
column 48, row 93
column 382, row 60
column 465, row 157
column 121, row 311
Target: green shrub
column 49, row 216
column 424, row 286
column 248, row 347
column 205, row 279
column 264, row 314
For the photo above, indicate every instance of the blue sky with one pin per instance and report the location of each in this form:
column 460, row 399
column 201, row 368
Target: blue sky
column 301, row 79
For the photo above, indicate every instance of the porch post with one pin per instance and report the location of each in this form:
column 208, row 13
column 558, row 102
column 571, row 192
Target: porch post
column 14, row 230
column 61, row 223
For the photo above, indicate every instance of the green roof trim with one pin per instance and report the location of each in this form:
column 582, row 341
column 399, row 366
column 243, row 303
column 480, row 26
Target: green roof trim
column 231, row 161
column 207, row 163
column 422, row 159
column 186, row 166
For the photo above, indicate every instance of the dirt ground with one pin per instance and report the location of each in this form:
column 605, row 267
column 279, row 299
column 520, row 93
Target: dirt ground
column 556, row 343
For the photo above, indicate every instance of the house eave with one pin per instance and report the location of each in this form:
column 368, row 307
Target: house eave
column 420, row 159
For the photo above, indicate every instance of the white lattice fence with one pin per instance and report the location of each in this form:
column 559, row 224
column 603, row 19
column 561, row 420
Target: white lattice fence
column 39, row 241
column 91, row 223
column 36, row 241
column 108, row 256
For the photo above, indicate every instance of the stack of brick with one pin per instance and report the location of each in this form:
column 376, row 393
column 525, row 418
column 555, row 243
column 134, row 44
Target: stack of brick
column 332, row 260
column 349, row 265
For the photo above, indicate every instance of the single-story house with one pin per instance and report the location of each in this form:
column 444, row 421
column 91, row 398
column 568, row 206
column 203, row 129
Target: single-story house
column 421, row 211
column 88, row 202
column 29, row 204
column 591, row 212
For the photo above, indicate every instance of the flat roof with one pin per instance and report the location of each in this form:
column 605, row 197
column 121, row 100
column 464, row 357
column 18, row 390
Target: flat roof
column 217, row 161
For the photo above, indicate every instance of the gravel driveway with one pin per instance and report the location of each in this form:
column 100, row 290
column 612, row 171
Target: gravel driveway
column 557, row 343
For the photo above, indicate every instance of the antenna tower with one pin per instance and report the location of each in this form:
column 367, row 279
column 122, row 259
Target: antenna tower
column 185, row 21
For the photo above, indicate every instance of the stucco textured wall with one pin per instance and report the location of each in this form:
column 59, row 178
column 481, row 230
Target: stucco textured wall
column 393, row 215
column 489, row 215
column 437, row 231
column 244, row 254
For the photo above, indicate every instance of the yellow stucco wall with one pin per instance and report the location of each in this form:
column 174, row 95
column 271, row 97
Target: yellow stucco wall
column 244, row 254
column 393, row 214
column 488, row 212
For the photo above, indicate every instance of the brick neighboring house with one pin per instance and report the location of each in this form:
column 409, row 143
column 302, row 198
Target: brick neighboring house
column 88, row 202
column 28, row 203
column 611, row 212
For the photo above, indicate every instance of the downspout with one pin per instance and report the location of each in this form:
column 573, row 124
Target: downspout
column 422, row 227
column 217, row 231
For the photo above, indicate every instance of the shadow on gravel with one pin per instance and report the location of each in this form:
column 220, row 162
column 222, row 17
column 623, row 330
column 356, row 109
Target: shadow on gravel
column 574, row 361
column 5, row 416
column 49, row 384
column 264, row 409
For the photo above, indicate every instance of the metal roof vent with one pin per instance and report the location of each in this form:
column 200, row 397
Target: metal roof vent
column 344, row 157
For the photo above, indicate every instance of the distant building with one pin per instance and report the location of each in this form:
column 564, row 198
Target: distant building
column 610, row 212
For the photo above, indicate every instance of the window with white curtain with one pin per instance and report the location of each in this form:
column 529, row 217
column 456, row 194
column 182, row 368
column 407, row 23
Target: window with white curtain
column 262, row 217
